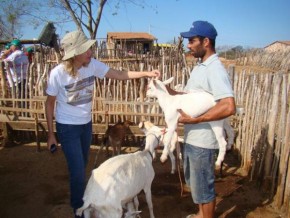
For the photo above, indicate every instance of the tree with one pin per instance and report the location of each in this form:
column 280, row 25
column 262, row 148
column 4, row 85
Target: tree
column 10, row 18
column 14, row 15
column 87, row 14
column 83, row 10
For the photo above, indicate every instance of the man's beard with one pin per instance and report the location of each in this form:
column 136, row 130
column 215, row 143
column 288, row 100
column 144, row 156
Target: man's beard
column 199, row 54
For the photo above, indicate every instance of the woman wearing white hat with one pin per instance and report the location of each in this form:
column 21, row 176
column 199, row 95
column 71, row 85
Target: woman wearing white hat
column 70, row 86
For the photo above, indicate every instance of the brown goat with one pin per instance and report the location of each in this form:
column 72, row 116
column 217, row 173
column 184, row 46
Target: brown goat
column 115, row 137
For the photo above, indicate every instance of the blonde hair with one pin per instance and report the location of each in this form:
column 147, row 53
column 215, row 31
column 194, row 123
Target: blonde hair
column 70, row 68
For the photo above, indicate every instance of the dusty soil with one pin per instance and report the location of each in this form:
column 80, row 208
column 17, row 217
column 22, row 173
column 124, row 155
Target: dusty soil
column 35, row 185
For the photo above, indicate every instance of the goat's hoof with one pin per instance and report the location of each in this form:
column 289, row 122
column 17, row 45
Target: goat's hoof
column 218, row 164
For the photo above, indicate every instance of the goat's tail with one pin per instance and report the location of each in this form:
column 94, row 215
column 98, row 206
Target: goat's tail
column 80, row 210
column 84, row 209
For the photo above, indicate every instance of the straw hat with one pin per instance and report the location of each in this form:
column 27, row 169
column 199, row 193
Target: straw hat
column 75, row 43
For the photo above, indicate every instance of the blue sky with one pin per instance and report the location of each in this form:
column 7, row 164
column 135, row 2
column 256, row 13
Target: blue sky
column 249, row 23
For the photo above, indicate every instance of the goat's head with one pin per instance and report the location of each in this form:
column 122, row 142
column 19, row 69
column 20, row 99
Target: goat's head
column 156, row 86
column 128, row 123
column 145, row 125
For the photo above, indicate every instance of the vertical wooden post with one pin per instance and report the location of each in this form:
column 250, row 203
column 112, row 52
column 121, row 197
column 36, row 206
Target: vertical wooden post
column 272, row 124
column 283, row 187
column 232, row 74
column 37, row 132
column 141, row 91
column 3, row 80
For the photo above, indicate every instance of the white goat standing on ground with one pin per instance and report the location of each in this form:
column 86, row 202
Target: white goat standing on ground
column 116, row 182
column 194, row 104
column 154, row 136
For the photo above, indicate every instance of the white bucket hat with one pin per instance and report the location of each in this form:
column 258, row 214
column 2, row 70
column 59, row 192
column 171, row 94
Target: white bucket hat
column 75, row 43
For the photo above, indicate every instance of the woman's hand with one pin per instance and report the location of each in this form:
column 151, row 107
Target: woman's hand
column 155, row 74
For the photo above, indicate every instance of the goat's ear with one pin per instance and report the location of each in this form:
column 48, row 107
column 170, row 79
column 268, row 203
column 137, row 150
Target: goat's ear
column 160, row 86
column 166, row 82
column 148, row 80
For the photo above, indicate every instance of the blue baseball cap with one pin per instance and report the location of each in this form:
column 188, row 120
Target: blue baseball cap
column 200, row 28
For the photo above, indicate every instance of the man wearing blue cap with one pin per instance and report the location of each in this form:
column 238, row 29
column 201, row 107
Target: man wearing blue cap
column 200, row 142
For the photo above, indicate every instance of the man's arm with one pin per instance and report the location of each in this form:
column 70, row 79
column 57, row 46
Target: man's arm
column 224, row 108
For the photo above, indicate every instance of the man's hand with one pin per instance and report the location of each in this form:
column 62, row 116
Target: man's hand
column 186, row 119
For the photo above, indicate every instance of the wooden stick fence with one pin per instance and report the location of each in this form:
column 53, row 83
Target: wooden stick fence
column 263, row 131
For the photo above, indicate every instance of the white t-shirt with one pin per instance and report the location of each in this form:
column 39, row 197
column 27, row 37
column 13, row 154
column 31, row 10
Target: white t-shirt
column 74, row 95
column 18, row 64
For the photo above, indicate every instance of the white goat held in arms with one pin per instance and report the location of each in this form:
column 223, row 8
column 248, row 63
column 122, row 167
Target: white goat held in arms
column 116, row 183
column 154, row 136
column 194, row 104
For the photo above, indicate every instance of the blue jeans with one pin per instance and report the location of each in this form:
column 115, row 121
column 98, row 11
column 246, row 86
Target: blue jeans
column 75, row 141
column 199, row 173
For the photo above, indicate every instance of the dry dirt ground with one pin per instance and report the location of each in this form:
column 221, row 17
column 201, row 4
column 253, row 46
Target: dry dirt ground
column 35, row 185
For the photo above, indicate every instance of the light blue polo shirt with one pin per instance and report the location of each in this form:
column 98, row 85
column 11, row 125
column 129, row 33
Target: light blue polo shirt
column 212, row 77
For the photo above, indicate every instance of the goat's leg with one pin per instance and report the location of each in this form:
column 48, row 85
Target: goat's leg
column 147, row 191
column 173, row 162
column 230, row 134
column 171, row 121
column 166, row 142
column 114, row 148
column 217, row 127
column 87, row 213
column 136, row 203
column 178, row 154
column 131, row 209
column 97, row 155
column 107, row 147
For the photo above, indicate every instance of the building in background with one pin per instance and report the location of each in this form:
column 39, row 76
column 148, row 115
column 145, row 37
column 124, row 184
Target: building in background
column 129, row 43
column 278, row 46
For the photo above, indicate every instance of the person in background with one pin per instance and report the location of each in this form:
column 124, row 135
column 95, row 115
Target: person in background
column 29, row 53
column 71, row 87
column 17, row 65
column 200, row 143
column 6, row 52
